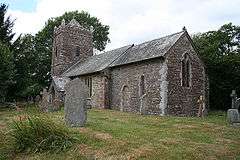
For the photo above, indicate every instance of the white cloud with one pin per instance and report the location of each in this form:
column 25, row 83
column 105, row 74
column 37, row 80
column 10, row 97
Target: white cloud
column 134, row 21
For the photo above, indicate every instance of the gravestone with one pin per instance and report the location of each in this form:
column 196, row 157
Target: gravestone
column 37, row 99
column 89, row 103
column 202, row 108
column 75, row 105
column 43, row 105
column 233, row 115
column 56, row 105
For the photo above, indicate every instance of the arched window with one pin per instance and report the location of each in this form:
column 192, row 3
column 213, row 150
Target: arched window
column 186, row 70
column 142, row 85
column 88, row 82
column 77, row 51
column 56, row 52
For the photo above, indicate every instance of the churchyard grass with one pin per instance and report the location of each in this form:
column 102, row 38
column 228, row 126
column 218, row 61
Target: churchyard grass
column 112, row 134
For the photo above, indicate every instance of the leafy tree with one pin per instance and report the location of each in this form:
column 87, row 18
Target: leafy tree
column 32, row 54
column 6, row 70
column 44, row 39
column 25, row 61
column 6, row 56
column 220, row 50
column 6, row 25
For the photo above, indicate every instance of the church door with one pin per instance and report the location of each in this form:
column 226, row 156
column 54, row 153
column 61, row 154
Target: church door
column 125, row 99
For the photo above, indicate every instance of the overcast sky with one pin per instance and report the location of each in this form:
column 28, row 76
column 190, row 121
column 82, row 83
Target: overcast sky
column 131, row 21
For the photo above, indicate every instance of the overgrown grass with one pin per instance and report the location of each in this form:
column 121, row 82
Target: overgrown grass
column 38, row 134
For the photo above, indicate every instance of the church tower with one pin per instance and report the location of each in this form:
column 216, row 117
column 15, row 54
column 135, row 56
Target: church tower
column 71, row 43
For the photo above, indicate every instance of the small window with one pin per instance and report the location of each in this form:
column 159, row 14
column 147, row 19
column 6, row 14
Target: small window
column 77, row 51
column 185, row 71
column 56, row 54
column 90, row 86
column 142, row 85
column 88, row 82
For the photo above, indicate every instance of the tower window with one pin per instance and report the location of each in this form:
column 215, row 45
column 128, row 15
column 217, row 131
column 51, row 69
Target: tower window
column 77, row 51
column 185, row 71
column 56, row 52
column 142, row 86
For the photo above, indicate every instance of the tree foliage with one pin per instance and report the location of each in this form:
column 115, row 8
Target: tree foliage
column 26, row 63
column 220, row 50
column 6, row 25
column 6, row 56
column 6, row 70
column 32, row 54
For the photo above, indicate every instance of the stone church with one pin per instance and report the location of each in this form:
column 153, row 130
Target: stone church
column 164, row 76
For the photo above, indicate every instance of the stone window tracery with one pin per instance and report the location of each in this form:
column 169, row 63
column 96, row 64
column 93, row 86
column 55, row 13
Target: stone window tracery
column 186, row 71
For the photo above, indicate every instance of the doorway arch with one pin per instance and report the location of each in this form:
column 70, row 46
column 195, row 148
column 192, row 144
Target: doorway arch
column 125, row 98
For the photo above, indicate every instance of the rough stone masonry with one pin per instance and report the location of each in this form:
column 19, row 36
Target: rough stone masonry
column 164, row 76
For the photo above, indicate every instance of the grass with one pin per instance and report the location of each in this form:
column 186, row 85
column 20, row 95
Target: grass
column 38, row 134
column 112, row 134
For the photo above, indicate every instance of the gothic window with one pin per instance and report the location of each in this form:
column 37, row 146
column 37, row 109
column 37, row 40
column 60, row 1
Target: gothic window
column 88, row 82
column 90, row 86
column 142, row 85
column 77, row 51
column 186, row 68
column 56, row 52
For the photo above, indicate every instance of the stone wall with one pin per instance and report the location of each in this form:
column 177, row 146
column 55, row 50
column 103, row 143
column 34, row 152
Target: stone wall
column 71, row 43
column 125, row 87
column 183, row 100
column 100, row 93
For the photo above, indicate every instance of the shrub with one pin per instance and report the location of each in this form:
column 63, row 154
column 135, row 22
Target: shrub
column 39, row 134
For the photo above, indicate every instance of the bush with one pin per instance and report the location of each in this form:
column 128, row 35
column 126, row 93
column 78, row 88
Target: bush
column 39, row 134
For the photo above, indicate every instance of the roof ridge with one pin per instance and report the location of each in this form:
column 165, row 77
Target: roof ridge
column 149, row 42
column 124, row 52
column 160, row 38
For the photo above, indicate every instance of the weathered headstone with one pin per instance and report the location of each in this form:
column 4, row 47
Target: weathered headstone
column 75, row 105
column 30, row 100
column 43, row 105
column 202, row 108
column 89, row 103
column 37, row 99
column 56, row 105
column 233, row 115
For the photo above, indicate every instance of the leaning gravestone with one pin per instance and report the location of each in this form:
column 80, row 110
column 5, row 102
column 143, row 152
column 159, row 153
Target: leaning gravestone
column 75, row 103
column 233, row 115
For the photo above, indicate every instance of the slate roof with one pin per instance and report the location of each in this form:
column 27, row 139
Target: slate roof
column 95, row 63
column 124, row 55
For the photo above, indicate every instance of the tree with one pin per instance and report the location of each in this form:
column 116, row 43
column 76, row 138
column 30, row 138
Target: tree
column 6, row 70
column 6, row 25
column 25, row 61
column 220, row 50
column 44, row 40
column 6, row 56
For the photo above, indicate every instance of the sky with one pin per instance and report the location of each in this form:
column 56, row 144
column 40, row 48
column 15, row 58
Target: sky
column 130, row 21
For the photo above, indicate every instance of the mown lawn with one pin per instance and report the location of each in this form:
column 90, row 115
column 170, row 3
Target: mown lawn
column 117, row 135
